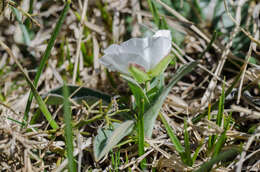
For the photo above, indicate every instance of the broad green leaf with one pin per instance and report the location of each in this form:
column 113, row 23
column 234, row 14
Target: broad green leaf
column 55, row 96
column 139, row 75
column 106, row 139
column 160, row 67
column 152, row 112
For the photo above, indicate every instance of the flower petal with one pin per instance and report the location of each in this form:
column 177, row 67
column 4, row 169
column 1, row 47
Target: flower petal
column 163, row 33
column 121, row 61
column 146, row 52
column 161, row 46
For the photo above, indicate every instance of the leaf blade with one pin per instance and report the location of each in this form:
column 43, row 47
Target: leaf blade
column 107, row 139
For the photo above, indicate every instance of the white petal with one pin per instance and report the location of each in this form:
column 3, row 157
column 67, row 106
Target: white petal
column 120, row 62
column 159, row 48
column 163, row 33
column 135, row 45
column 112, row 49
column 147, row 52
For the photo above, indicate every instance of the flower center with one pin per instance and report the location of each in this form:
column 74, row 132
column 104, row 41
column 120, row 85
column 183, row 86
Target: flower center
column 140, row 67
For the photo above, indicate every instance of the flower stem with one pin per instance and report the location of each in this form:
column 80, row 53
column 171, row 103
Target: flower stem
column 140, row 125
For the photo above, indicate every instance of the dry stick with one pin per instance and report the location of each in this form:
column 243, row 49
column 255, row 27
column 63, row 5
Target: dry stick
column 176, row 51
column 8, row 107
column 247, row 56
column 137, row 161
column 76, row 63
column 256, row 14
column 244, row 70
column 94, row 28
column 213, row 82
column 243, row 154
column 64, row 163
column 252, row 114
column 237, row 23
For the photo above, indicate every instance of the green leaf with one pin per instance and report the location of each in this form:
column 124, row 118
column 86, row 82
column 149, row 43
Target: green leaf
column 55, row 96
column 106, row 139
column 139, row 75
column 160, row 67
column 151, row 113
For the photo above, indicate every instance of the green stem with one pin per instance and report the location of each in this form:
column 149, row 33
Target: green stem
column 140, row 123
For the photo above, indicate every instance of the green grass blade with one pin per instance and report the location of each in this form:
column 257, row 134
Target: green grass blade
column 197, row 118
column 210, row 137
column 175, row 141
column 46, row 56
column 43, row 107
column 209, row 46
column 196, row 153
column 230, row 153
column 221, row 107
column 16, row 121
column 222, row 138
column 219, row 144
column 154, row 11
column 38, row 98
column 68, row 129
column 219, row 114
column 27, row 22
column 188, row 159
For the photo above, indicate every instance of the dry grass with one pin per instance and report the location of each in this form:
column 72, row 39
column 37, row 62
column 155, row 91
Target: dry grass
column 37, row 148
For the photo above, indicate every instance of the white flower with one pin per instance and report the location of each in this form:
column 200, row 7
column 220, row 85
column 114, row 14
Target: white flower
column 144, row 53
